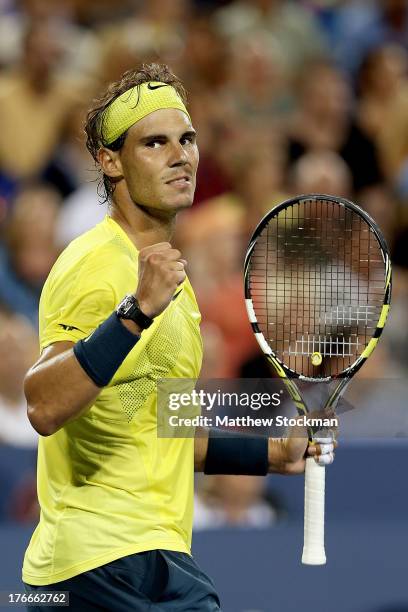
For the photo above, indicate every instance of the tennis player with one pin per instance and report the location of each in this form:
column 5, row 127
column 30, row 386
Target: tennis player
column 117, row 313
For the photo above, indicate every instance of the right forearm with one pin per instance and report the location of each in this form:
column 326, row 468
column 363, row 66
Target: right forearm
column 58, row 391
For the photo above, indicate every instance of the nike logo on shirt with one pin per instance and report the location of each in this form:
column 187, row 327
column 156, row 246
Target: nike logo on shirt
column 176, row 294
column 68, row 327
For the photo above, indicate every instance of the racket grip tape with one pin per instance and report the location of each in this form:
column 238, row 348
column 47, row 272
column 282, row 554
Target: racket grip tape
column 313, row 543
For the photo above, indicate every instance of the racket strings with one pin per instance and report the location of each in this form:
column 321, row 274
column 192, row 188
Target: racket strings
column 317, row 286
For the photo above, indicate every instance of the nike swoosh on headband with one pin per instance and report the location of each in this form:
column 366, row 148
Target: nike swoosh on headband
column 150, row 86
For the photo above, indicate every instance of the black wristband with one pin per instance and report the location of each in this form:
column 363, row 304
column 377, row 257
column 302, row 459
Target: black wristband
column 101, row 354
column 234, row 453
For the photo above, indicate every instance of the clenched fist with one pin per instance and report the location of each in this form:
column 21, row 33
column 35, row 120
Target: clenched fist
column 161, row 270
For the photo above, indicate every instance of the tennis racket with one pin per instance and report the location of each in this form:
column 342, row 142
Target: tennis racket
column 317, row 288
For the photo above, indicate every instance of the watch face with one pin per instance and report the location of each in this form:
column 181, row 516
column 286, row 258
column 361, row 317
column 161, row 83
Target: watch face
column 129, row 309
column 126, row 306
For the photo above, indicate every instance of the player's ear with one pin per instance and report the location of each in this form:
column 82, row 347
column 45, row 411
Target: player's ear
column 110, row 162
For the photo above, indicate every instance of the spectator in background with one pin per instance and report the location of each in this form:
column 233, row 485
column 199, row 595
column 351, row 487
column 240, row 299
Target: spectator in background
column 288, row 25
column 94, row 14
column 69, row 168
column 364, row 26
column 381, row 77
column 254, row 159
column 154, row 29
column 257, row 87
column 79, row 45
column 393, row 144
column 34, row 105
column 18, row 440
column 16, row 20
column 259, row 177
column 324, row 120
column 322, row 171
column 18, row 348
column 323, row 109
column 215, row 229
column 232, row 501
column 204, row 60
column 81, row 211
column 81, row 208
column 30, row 249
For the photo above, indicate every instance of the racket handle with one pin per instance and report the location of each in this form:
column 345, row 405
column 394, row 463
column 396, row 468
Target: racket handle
column 313, row 543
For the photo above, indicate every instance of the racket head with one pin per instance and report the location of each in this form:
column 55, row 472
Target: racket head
column 317, row 279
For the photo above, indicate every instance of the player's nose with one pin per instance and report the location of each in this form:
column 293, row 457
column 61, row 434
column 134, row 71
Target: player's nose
column 178, row 154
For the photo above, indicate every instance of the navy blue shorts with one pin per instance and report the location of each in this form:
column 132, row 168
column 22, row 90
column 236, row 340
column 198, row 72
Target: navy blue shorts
column 152, row 581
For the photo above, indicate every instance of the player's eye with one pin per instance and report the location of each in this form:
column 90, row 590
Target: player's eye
column 187, row 139
column 154, row 144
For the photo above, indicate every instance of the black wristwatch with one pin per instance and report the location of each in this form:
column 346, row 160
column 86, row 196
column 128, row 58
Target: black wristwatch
column 129, row 309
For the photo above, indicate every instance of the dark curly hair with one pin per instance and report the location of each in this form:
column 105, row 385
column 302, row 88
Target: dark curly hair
column 93, row 123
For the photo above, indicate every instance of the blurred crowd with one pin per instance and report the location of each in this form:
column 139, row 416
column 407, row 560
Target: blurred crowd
column 287, row 97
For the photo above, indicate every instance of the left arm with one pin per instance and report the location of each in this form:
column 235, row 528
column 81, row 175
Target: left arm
column 285, row 455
